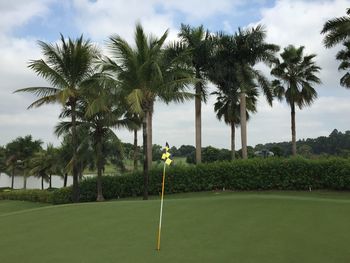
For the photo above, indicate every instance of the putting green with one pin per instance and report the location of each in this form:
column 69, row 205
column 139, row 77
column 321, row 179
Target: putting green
column 205, row 227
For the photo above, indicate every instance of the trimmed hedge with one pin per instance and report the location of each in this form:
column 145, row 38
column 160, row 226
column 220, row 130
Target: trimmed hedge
column 33, row 195
column 252, row 174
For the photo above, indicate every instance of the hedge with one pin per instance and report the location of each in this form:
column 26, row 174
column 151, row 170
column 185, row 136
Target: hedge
column 252, row 174
column 33, row 195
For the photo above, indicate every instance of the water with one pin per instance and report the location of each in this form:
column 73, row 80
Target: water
column 33, row 182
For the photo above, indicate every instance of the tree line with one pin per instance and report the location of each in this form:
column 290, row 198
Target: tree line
column 99, row 93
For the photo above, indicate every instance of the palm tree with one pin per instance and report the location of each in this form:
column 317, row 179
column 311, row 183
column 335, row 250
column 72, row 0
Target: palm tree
column 227, row 107
column 97, row 113
column 222, row 74
column 144, row 73
column 336, row 30
column 239, row 54
column 135, row 126
column 44, row 164
column 344, row 56
column 251, row 48
column 199, row 44
column 296, row 74
column 52, row 161
column 66, row 66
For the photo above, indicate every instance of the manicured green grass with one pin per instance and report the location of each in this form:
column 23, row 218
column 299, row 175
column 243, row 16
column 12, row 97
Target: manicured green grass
column 15, row 206
column 271, row 227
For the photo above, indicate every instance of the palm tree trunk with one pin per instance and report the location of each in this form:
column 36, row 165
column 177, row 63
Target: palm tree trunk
column 135, row 150
column 149, row 139
column 13, row 177
column 198, row 121
column 65, row 180
column 243, row 125
column 75, row 154
column 294, row 143
column 145, row 156
column 50, row 181
column 99, row 169
column 42, row 182
column 233, row 152
column 24, row 181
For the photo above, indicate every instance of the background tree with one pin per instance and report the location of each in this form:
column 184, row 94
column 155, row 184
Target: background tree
column 18, row 153
column 2, row 160
column 66, row 66
column 199, row 44
column 44, row 164
column 296, row 74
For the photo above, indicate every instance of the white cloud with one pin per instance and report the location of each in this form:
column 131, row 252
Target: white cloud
column 15, row 52
column 17, row 13
column 101, row 19
column 300, row 23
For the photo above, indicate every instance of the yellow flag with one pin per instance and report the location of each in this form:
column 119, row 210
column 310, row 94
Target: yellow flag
column 168, row 161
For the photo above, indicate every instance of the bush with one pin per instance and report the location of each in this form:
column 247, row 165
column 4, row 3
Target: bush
column 33, row 195
column 253, row 174
column 62, row 196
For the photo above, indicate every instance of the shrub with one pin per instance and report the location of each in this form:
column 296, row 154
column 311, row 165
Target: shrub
column 33, row 195
column 252, row 174
column 62, row 196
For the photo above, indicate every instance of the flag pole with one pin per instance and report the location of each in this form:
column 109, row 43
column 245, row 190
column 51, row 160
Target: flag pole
column 161, row 210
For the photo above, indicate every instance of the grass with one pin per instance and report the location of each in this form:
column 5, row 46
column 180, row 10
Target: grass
column 16, row 206
column 271, row 227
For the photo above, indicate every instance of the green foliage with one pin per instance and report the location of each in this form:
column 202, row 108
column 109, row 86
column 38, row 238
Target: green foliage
column 32, row 195
column 63, row 196
column 337, row 143
column 336, row 30
column 243, row 175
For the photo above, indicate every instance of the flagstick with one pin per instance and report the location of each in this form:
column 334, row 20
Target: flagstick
column 161, row 210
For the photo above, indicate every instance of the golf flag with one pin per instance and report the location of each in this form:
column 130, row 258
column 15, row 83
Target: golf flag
column 167, row 161
column 166, row 155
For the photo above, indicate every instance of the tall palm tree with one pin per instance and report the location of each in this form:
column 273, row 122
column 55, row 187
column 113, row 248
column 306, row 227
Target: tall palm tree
column 251, row 48
column 146, row 72
column 336, row 30
column 222, row 74
column 344, row 56
column 240, row 53
column 66, row 66
column 199, row 44
column 296, row 74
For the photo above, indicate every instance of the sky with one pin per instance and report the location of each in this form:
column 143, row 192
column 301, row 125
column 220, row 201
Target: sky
column 297, row 22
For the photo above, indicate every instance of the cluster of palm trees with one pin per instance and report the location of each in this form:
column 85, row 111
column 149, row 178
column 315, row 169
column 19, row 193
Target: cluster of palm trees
column 99, row 93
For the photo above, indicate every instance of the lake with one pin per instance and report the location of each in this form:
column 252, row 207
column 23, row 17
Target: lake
column 32, row 182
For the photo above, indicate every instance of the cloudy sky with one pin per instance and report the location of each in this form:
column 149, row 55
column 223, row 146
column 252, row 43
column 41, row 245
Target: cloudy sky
column 23, row 22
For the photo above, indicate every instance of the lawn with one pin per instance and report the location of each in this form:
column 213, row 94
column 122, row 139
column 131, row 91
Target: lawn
column 205, row 227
